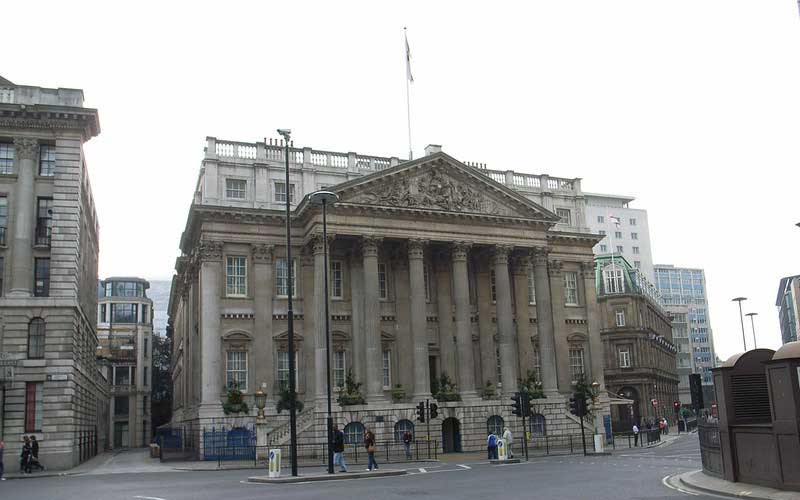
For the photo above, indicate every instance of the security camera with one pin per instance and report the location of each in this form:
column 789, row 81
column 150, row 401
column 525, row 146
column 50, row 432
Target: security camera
column 285, row 132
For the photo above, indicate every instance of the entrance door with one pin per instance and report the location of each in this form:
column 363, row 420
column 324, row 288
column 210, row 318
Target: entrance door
column 121, row 435
column 451, row 435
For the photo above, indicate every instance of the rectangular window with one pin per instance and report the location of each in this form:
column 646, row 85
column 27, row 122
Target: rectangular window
column 280, row 192
column 47, row 160
column 564, row 214
column 537, row 363
column 124, row 313
column 144, row 380
column 282, row 278
column 620, row 316
column 620, row 249
column 236, row 370
column 33, row 406
column 382, row 289
column 236, row 188
column 624, row 358
column 145, row 346
column 144, row 315
column 426, row 278
column 635, row 250
column 122, row 375
column 603, row 249
column 6, row 158
column 339, row 369
column 336, row 279
column 618, row 235
column 387, row 370
column 601, row 232
column 41, row 275
column 236, row 276
column 601, row 219
column 103, row 313
column 3, row 218
column 632, row 222
column 121, row 406
column 634, row 236
column 44, row 221
column 492, row 285
column 571, row 288
column 576, row 364
column 531, row 287
column 283, row 369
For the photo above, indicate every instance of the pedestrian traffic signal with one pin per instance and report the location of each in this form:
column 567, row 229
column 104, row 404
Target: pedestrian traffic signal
column 574, row 404
column 676, row 405
column 433, row 411
column 421, row 412
column 517, row 405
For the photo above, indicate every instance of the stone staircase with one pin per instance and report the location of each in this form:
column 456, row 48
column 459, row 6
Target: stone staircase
column 280, row 435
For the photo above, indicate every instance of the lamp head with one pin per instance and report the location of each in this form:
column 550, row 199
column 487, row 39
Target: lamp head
column 286, row 133
column 320, row 197
column 751, row 314
column 739, row 299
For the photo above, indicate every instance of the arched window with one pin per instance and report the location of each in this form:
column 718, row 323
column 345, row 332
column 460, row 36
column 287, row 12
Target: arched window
column 36, row 338
column 495, row 425
column 613, row 279
column 401, row 427
column 354, row 433
column 538, row 425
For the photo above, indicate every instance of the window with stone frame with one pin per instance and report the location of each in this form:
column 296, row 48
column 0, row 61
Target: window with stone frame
column 36, row 338
column 537, row 361
column 7, row 155
column 494, row 425
column 236, row 189
column 282, row 278
column 492, row 285
column 236, row 276
column 47, row 160
column 576, row 365
column 280, row 192
column 339, row 369
column 565, row 215
column 41, row 277
column 34, row 403
column 571, row 288
column 619, row 316
column 531, row 288
column 624, row 357
column 236, row 370
column 613, row 279
column 538, row 425
column 336, row 279
column 354, row 433
column 283, row 369
column 383, row 291
column 387, row 369
column 401, row 427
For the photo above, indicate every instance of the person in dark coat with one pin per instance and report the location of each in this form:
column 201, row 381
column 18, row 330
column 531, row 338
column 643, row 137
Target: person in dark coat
column 35, row 453
column 338, row 449
column 25, row 456
column 369, row 444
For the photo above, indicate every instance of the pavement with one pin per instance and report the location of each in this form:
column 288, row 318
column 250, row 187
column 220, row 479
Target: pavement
column 697, row 481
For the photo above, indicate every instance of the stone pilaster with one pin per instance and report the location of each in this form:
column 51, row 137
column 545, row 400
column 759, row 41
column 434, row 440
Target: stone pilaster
column 524, row 346
column 593, row 324
column 372, row 323
column 357, row 360
column 404, row 343
column 320, row 338
column 27, row 151
column 416, row 278
column 465, row 360
column 486, row 329
column 506, row 334
column 544, row 322
column 210, row 254
column 263, row 287
column 444, row 307
column 556, row 269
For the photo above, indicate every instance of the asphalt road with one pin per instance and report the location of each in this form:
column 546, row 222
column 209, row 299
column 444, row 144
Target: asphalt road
column 627, row 474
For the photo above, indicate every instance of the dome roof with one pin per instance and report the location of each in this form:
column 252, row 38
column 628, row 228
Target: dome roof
column 789, row 350
column 731, row 361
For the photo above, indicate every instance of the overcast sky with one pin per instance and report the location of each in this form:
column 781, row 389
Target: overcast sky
column 691, row 107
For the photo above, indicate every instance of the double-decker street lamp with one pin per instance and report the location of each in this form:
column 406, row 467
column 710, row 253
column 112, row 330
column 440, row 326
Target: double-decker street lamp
column 326, row 198
column 741, row 318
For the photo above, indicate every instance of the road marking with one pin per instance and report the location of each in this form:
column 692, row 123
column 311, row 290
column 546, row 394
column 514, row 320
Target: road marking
column 148, row 498
column 666, row 483
column 464, row 466
column 422, row 469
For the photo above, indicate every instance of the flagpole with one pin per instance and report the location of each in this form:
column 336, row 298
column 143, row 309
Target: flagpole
column 408, row 95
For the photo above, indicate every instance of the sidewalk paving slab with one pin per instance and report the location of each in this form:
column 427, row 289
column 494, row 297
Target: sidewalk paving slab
column 325, row 476
column 697, row 480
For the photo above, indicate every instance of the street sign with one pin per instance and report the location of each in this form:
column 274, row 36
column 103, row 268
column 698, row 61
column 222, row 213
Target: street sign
column 57, row 377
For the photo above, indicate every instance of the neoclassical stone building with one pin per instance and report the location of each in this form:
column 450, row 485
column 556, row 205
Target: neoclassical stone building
column 435, row 268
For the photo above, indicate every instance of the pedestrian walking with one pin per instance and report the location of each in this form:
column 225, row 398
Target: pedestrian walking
column 25, row 456
column 407, row 438
column 35, row 453
column 508, row 438
column 369, row 444
column 338, row 449
column 2, row 447
column 635, row 435
column 491, row 446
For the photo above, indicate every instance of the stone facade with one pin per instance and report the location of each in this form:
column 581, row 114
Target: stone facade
column 125, row 332
column 436, row 269
column 640, row 356
column 48, row 277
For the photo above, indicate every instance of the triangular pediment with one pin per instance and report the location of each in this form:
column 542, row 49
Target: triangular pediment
column 440, row 183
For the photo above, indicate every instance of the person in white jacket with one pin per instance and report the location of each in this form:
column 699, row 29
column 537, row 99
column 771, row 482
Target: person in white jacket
column 507, row 438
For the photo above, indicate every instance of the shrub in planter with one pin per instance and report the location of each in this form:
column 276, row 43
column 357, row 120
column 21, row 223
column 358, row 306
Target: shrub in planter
column 285, row 400
column 351, row 394
column 235, row 402
column 445, row 389
column 398, row 393
column 488, row 390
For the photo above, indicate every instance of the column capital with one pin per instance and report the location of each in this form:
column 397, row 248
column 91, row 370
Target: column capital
column 539, row 256
column 459, row 250
column 500, row 253
column 556, row 267
column 210, row 250
column 588, row 270
column 369, row 245
column 26, row 148
column 416, row 248
column 520, row 263
column 316, row 243
column 262, row 253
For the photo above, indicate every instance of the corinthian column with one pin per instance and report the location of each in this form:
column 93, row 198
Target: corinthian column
column 544, row 322
column 556, row 268
column 524, row 345
column 210, row 253
column 505, row 321
column 465, row 359
column 593, row 322
column 372, row 324
column 320, row 345
column 416, row 277
column 262, row 296
column 27, row 151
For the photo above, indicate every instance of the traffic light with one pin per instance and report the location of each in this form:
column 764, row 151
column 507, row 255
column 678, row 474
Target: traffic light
column 517, row 404
column 676, row 405
column 433, row 411
column 696, row 389
column 421, row 412
column 587, row 403
column 525, row 399
column 575, row 405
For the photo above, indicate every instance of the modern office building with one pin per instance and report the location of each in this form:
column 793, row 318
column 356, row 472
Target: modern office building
column 639, row 353
column 125, row 331
column 52, row 386
column 630, row 237
column 684, row 290
column 436, row 268
column 788, row 303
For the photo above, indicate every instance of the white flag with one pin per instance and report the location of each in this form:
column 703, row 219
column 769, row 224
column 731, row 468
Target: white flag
column 408, row 61
column 614, row 219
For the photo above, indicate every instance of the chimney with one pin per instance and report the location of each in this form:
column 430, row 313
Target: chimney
column 433, row 148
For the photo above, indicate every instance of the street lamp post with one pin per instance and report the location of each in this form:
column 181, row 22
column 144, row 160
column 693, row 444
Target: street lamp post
column 324, row 198
column 287, row 134
column 752, row 324
column 741, row 318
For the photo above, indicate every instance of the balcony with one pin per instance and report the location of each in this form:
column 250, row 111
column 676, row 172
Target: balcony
column 44, row 232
